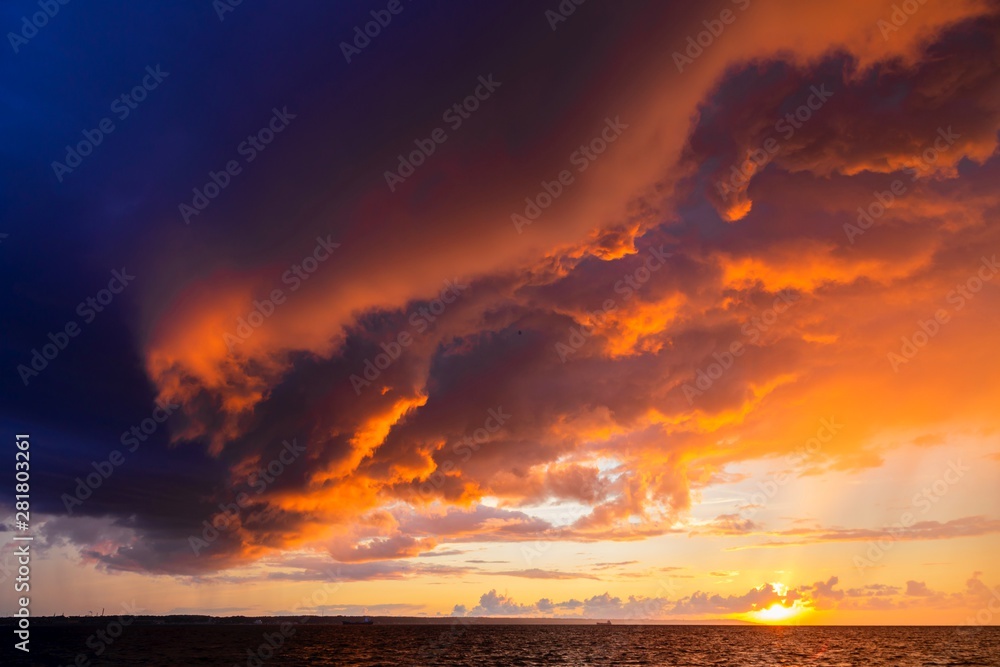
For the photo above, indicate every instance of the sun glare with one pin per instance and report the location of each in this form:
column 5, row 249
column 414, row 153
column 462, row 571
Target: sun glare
column 777, row 613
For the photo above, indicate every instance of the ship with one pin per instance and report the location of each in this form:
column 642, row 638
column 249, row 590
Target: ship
column 363, row 621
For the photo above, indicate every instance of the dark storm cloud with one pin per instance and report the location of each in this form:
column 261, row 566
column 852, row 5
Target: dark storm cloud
column 804, row 118
column 377, row 455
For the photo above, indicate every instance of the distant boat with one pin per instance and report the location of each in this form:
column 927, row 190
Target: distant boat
column 604, row 623
column 364, row 621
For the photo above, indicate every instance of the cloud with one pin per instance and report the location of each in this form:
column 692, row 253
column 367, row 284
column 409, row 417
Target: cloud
column 730, row 524
column 922, row 530
column 446, row 552
column 873, row 590
column 774, row 128
column 754, row 599
column 918, row 589
column 597, row 606
column 821, row 596
column 535, row 573
column 614, row 564
column 607, row 442
column 399, row 546
column 496, row 604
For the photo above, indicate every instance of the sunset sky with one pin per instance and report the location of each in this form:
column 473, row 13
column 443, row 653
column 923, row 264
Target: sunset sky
column 680, row 311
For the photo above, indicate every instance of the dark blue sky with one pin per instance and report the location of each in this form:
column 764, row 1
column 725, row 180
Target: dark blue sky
column 119, row 207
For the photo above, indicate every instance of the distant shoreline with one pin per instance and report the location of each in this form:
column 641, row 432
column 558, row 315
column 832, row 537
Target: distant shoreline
column 173, row 619
column 202, row 620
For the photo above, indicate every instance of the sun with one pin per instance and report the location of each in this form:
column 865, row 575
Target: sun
column 776, row 613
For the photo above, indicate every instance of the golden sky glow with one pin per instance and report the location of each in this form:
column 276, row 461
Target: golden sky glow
column 656, row 401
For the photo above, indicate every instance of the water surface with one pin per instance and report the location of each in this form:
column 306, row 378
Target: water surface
column 696, row 646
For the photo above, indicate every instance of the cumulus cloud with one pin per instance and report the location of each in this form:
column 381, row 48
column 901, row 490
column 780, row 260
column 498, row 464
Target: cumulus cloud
column 754, row 599
column 821, row 596
column 498, row 604
column 918, row 589
column 603, row 605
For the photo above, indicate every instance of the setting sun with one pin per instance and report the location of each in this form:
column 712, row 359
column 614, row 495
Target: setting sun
column 776, row 613
column 775, row 603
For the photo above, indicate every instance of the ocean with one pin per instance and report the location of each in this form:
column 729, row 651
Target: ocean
column 473, row 645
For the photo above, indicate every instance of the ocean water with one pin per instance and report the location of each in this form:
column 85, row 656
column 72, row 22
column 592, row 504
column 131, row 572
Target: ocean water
column 696, row 646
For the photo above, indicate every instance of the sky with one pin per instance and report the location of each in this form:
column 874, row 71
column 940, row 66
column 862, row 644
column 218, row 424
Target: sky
column 660, row 311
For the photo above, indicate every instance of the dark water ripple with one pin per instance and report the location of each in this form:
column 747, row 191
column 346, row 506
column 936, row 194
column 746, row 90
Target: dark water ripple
column 522, row 645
